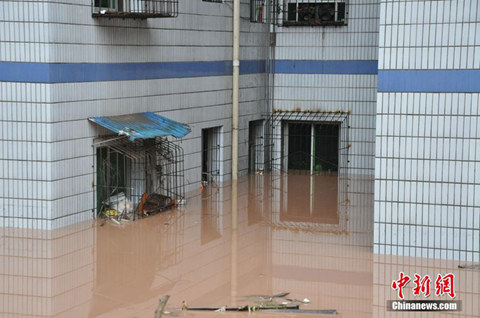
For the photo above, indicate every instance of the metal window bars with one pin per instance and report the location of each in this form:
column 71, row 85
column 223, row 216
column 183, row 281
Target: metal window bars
column 127, row 170
column 137, row 9
column 276, row 162
column 314, row 12
column 274, row 153
column 258, row 11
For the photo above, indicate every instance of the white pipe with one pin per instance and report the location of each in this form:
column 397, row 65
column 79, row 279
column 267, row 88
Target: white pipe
column 312, row 147
column 235, row 86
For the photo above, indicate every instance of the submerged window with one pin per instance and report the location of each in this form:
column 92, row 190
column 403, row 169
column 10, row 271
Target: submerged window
column 315, row 13
column 313, row 146
column 312, row 149
column 143, row 176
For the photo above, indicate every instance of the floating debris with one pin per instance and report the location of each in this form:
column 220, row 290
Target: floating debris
column 304, row 301
column 265, row 297
column 474, row 266
column 161, row 306
column 268, row 305
column 305, row 311
column 249, row 308
column 221, row 309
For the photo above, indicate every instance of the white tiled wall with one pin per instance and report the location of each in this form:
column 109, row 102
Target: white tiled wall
column 47, row 273
column 427, row 184
column 46, row 145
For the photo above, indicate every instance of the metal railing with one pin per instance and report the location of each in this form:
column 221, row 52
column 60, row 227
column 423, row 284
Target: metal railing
column 139, row 9
column 314, row 12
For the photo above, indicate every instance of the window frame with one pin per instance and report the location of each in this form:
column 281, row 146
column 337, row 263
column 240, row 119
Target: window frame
column 136, row 9
column 314, row 5
column 259, row 16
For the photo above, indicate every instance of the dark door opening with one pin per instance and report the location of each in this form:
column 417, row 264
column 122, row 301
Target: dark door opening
column 205, row 147
column 255, row 146
column 211, row 147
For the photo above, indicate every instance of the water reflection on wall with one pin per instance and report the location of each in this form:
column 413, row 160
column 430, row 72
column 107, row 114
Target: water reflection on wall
column 321, row 246
column 47, row 273
column 130, row 256
column 200, row 254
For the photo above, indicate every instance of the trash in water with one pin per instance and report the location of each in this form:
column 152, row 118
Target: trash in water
column 304, row 301
column 154, row 202
column 221, row 309
column 304, row 311
column 254, row 307
column 264, row 297
column 161, row 306
column 120, row 203
column 267, row 304
column 111, row 212
column 474, row 266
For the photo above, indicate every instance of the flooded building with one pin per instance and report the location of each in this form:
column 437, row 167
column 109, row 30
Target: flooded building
column 358, row 152
column 66, row 64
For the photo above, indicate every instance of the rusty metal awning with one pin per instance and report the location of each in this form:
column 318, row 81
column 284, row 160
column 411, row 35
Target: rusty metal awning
column 142, row 126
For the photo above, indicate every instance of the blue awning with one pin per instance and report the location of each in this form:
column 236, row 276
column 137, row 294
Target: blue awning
column 142, row 126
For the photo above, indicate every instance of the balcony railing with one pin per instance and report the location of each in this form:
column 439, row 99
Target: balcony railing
column 315, row 12
column 137, row 9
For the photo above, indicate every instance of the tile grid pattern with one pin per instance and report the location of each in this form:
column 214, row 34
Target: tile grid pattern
column 47, row 156
column 427, row 181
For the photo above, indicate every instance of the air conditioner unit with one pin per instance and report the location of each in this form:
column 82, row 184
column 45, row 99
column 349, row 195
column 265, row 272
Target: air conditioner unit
column 323, row 13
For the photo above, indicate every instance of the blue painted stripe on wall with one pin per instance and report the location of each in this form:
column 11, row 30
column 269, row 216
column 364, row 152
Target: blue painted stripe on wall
column 83, row 72
column 325, row 67
column 252, row 67
column 24, row 72
column 435, row 81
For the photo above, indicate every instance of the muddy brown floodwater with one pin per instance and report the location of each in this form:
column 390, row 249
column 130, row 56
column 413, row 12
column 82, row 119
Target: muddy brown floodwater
column 309, row 236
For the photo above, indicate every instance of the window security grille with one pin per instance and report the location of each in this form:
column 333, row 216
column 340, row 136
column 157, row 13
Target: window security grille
column 139, row 9
column 258, row 11
column 314, row 13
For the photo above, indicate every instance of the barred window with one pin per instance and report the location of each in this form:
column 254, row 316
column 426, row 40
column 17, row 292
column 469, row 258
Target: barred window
column 141, row 9
column 314, row 12
column 258, row 11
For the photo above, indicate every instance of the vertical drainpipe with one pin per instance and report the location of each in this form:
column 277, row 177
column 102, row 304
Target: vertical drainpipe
column 235, row 81
column 235, row 86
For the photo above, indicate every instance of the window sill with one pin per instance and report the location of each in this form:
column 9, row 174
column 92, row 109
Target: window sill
column 312, row 23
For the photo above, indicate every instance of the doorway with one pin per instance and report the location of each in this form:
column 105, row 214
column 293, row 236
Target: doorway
column 211, row 154
column 255, row 146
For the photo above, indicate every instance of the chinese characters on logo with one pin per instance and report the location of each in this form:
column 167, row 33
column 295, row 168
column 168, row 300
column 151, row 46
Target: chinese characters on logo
column 444, row 285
